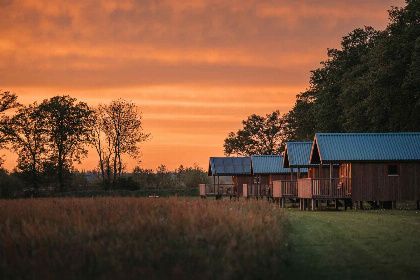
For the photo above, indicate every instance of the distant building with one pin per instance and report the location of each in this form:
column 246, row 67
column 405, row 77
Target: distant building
column 238, row 167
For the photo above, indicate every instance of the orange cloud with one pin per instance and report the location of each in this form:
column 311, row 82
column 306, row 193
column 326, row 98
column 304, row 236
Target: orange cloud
column 196, row 67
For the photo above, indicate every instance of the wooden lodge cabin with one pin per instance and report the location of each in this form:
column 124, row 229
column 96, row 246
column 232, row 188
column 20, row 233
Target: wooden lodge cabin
column 238, row 167
column 296, row 157
column 266, row 170
column 373, row 167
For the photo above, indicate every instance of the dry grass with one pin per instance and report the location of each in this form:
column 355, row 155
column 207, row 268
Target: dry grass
column 140, row 238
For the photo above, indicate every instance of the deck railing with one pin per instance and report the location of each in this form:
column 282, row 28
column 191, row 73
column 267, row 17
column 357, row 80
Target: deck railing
column 285, row 188
column 331, row 188
column 257, row 190
column 289, row 188
column 218, row 189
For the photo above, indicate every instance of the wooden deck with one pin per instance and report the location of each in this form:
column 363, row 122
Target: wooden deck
column 218, row 190
column 323, row 188
column 258, row 190
column 285, row 189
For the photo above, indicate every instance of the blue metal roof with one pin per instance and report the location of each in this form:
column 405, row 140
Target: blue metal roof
column 270, row 164
column 366, row 147
column 230, row 166
column 297, row 154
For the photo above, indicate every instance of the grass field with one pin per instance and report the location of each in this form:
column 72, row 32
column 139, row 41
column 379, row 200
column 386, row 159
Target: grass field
column 364, row 244
column 187, row 238
column 140, row 238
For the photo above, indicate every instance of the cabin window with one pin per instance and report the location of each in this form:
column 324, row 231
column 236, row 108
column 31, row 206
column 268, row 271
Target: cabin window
column 392, row 170
column 256, row 180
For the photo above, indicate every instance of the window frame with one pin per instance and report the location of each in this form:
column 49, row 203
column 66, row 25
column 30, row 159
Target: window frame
column 392, row 175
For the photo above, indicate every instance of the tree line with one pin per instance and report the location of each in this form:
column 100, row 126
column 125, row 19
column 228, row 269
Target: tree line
column 371, row 84
column 51, row 136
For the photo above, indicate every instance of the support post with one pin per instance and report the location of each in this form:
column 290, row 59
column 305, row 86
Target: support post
column 291, row 173
column 300, row 204
column 298, row 173
column 218, row 184
column 283, row 202
column 336, row 204
column 418, row 204
column 320, row 171
column 314, row 202
column 331, row 182
column 214, row 184
column 394, row 205
column 361, row 205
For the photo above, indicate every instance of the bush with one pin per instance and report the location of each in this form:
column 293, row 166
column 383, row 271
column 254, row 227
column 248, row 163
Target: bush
column 127, row 193
column 127, row 183
column 96, row 193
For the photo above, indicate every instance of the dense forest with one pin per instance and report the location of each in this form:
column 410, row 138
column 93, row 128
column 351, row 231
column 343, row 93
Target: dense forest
column 371, row 84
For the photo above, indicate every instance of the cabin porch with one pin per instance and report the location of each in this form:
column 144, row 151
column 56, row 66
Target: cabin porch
column 285, row 189
column 218, row 190
column 258, row 190
column 324, row 189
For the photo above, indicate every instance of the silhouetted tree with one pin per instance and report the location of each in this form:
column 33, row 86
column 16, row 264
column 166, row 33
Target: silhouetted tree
column 101, row 143
column 191, row 177
column 122, row 124
column 28, row 136
column 259, row 136
column 68, row 126
column 7, row 101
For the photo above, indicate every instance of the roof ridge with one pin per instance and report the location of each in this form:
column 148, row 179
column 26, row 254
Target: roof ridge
column 267, row 155
column 369, row 133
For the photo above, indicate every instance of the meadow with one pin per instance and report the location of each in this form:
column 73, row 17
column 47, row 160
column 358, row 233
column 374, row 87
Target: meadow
column 149, row 238
column 354, row 244
column 189, row 238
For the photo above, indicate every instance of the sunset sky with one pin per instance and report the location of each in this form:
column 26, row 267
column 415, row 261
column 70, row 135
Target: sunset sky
column 195, row 68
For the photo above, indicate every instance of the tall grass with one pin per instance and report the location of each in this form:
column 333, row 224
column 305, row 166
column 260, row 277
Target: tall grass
column 140, row 238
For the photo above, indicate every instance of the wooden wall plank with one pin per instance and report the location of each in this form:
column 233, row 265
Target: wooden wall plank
column 370, row 181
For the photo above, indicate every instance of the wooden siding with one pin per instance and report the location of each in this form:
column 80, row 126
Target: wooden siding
column 277, row 177
column 265, row 179
column 277, row 189
column 202, row 189
column 239, row 181
column 313, row 172
column 370, row 182
column 304, row 188
column 244, row 190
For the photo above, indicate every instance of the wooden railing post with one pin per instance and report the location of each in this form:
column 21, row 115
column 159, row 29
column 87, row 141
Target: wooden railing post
column 281, row 188
column 312, row 188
